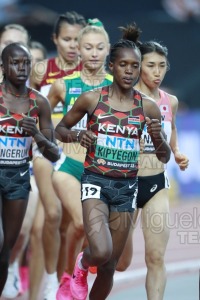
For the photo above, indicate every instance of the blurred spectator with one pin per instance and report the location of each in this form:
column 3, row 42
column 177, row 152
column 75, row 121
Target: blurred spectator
column 16, row 11
column 13, row 33
column 38, row 52
column 9, row 10
column 182, row 10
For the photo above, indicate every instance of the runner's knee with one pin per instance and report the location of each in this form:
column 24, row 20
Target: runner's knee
column 53, row 216
column 154, row 258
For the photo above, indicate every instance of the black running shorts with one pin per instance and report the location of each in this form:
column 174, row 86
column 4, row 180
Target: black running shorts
column 118, row 193
column 148, row 186
column 15, row 182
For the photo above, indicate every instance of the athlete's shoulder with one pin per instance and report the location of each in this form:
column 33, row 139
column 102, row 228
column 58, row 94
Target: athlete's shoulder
column 37, row 96
column 172, row 98
column 89, row 100
column 109, row 77
column 51, row 60
column 169, row 95
column 74, row 75
column 93, row 93
column 34, row 94
column 146, row 98
column 103, row 90
column 150, row 107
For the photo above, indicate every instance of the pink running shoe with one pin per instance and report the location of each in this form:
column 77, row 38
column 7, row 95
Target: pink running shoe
column 24, row 275
column 64, row 292
column 78, row 284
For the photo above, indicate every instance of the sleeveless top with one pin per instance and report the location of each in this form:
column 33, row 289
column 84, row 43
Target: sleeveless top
column 75, row 87
column 53, row 73
column 166, row 116
column 15, row 145
column 115, row 152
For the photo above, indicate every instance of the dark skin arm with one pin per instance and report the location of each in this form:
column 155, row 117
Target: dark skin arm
column 154, row 129
column 44, row 136
column 85, row 104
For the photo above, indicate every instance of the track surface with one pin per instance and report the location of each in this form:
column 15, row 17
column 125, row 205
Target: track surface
column 182, row 259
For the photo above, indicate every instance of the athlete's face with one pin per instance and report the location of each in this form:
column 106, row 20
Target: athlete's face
column 66, row 42
column 36, row 55
column 12, row 36
column 126, row 67
column 94, row 48
column 17, row 65
column 153, row 69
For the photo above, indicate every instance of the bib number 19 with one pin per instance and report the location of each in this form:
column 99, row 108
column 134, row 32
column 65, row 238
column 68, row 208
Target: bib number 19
column 90, row 191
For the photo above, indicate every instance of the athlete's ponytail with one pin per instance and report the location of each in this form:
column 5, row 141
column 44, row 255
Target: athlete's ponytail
column 131, row 32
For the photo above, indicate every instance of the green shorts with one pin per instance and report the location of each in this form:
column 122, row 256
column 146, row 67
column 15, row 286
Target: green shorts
column 70, row 166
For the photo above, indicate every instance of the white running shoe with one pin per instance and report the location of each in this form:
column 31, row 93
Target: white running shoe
column 50, row 290
column 12, row 287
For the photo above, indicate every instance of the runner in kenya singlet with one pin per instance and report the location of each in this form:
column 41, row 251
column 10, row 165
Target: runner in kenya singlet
column 74, row 88
column 116, row 151
column 15, row 145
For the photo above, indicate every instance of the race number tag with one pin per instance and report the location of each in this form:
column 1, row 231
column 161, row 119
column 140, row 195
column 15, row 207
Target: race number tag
column 90, row 191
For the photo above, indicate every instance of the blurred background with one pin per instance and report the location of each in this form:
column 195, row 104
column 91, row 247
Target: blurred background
column 174, row 22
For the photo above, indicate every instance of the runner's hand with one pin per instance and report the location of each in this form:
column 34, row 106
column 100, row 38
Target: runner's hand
column 29, row 125
column 181, row 160
column 153, row 127
column 87, row 138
